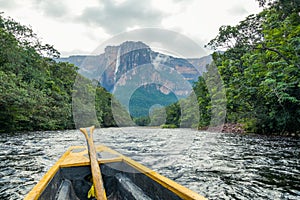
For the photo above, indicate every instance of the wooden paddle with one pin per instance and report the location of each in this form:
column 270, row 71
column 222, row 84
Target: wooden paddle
column 96, row 172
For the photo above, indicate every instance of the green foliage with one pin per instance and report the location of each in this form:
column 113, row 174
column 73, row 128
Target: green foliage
column 35, row 91
column 142, row 121
column 147, row 96
column 173, row 112
column 189, row 115
column 103, row 104
column 169, row 126
column 157, row 116
column 206, row 107
column 83, row 98
column 204, row 102
column 260, row 68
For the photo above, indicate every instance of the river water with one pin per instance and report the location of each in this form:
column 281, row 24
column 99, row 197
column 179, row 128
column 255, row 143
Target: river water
column 218, row 166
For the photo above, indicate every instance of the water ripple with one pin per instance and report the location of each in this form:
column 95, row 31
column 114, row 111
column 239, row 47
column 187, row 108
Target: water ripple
column 218, row 166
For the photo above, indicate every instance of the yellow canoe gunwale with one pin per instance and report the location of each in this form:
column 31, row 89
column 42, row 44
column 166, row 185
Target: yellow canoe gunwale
column 76, row 156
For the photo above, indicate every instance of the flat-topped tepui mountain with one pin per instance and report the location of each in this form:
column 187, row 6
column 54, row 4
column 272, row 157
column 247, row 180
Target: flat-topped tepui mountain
column 140, row 77
column 116, row 61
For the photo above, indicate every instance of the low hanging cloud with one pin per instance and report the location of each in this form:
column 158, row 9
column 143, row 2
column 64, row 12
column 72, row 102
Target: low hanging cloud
column 9, row 5
column 237, row 10
column 115, row 18
column 51, row 8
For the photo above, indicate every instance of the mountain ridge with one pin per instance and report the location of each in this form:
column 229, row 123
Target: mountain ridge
column 116, row 61
column 140, row 77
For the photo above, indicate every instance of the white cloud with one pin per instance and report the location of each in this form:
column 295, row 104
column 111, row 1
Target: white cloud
column 8, row 4
column 201, row 19
column 116, row 17
column 84, row 24
column 52, row 8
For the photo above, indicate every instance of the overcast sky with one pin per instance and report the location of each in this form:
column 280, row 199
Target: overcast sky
column 80, row 26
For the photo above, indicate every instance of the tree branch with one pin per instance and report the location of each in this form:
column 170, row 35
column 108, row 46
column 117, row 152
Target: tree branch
column 279, row 53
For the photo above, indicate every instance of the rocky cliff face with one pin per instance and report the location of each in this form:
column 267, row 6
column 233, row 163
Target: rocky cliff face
column 139, row 77
column 120, row 63
column 121, row 59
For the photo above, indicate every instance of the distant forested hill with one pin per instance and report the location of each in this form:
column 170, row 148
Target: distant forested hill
column 119, row 65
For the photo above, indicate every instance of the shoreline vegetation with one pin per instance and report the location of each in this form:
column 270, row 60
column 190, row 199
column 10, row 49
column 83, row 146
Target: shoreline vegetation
column 260, row 73
column 35, row 90
column 227, row 128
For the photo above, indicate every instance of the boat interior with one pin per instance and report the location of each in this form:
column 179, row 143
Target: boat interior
column 121, row 181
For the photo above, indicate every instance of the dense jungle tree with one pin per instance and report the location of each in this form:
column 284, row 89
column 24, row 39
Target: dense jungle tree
column 35, row 90
column 260, row 68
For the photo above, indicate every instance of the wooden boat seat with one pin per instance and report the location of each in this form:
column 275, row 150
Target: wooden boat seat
column 66, row 191
column 129, row 190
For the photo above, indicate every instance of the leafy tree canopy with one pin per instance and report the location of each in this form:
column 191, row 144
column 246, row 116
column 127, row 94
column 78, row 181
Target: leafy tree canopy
column 36, row 91
column 260, row 68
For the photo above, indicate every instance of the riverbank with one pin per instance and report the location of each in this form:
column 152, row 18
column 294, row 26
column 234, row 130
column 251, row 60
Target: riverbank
column 226, row 128
column 239, row 129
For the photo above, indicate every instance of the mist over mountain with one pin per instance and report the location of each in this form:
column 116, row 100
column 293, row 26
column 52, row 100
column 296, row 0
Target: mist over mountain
column 132, row 67
column 116, row 61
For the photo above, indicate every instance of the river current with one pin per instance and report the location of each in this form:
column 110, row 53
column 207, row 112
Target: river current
column 216, row 165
